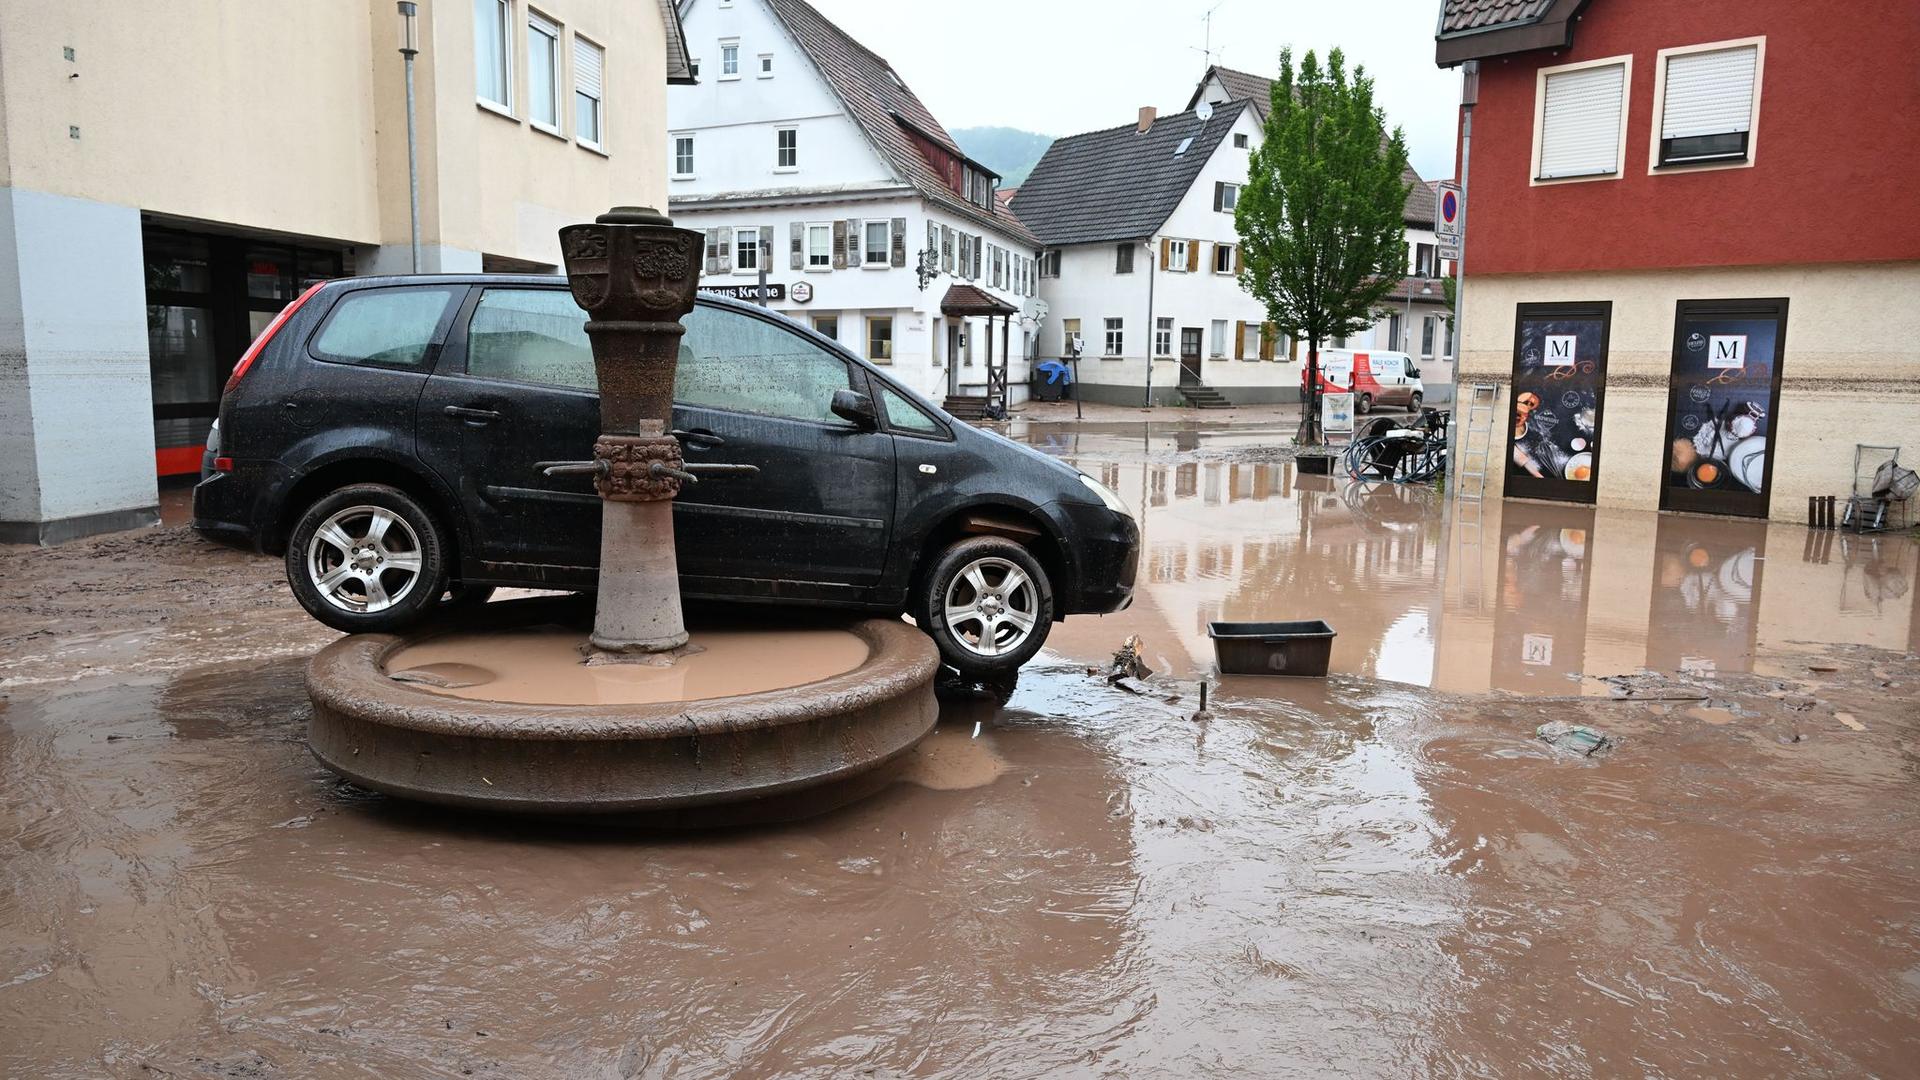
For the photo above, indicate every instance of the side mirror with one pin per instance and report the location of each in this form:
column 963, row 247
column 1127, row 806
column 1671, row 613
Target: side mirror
column 855, row 408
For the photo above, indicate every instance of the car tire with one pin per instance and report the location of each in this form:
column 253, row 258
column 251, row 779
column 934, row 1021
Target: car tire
column 1413, row 403
column 987, row 604
column 1363, row 404
column 367, row 558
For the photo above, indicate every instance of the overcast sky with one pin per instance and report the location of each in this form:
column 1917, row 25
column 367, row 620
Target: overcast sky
column 1060, row 67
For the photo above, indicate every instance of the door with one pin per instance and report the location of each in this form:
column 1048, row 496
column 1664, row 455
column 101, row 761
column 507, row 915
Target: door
column 815, row 521
column 1189, row 356
column 1558, row 401
column 1723, row 399
column 955, row 332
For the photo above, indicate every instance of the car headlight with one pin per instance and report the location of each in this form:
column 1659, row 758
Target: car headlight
column 1107, row 497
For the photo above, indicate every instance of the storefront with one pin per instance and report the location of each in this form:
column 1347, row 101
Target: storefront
column 208, row 296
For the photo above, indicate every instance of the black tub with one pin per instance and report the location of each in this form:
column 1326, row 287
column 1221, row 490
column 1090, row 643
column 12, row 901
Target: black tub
column 1301, row 648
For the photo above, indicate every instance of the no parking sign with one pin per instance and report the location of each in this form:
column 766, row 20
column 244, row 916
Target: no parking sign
column 1448, row 216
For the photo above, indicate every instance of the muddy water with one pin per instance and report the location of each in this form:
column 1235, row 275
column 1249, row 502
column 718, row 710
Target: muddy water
column 1359, row 876
column 544, row 665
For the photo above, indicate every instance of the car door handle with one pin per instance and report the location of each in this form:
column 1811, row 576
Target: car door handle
column 478, row 416
column 699, row 438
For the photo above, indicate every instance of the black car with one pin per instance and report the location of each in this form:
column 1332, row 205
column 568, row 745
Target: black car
column 383, row 433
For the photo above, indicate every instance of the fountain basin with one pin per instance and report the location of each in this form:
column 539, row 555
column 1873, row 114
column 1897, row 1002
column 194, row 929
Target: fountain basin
column 421, row 742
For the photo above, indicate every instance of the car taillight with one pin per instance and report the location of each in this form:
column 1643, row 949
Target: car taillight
column 223, row 464
column 260, row 343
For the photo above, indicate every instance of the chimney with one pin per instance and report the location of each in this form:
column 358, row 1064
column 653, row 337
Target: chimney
column 1147, row 114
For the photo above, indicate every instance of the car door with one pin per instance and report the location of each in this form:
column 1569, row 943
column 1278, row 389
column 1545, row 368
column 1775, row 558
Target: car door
column 515, row 388
column 814, row 521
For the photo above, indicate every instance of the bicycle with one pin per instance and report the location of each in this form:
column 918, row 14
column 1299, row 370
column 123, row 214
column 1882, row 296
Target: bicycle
column 1411, row 454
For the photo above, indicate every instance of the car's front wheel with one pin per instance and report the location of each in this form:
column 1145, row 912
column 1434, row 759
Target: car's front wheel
column 988, row 604
column 367, row 558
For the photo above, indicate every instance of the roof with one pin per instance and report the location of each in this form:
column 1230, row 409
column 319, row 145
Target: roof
column 679, row 63
column 1120, row 183
column 968, row 300
column 1259, row 90
column 1477, row 29
column 885, row 110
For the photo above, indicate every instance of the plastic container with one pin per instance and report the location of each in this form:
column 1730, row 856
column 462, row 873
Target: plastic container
column 1302, row 648
column 1314, row 464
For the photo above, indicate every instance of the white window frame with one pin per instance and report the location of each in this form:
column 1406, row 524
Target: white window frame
column 1228, row 250
column 1177, row 256
column 822, row 228
column 504, row 10
column 1624, row 60
column 552, row 30
column 598, row 143
column 741, row 234
column 725, row 45
column 1217, row 332
column 763, row 66
column 778, row 134
column 886, row 257
column 1229, row 197
column 1163, row 337
column 673, row 153
column 1660, row 104
column 1115, row 342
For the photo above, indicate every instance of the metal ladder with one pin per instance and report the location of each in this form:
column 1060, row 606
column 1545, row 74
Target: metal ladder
column 1470, row 490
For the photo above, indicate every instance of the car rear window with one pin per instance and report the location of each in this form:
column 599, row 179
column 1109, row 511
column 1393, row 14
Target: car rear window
column 530, row 336
column 383, row 327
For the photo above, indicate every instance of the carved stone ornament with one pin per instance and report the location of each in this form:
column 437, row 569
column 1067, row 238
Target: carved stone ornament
column 628, row 476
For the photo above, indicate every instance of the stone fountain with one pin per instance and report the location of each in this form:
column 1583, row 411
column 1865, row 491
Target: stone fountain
column 519, row 709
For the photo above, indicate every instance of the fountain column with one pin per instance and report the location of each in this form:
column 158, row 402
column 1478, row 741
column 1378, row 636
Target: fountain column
column 635, row 276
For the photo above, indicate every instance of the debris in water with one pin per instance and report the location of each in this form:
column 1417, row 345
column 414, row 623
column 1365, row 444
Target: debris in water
column 1127, row 663
column 1847, row 719
column 1823, row 668
column 1129, row 684
column 1574, row 738
column 976, row 729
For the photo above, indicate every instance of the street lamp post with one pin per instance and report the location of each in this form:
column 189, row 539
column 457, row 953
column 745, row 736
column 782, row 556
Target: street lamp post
column 409, row 48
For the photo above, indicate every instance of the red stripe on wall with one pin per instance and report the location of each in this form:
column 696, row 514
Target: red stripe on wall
column 174, row 460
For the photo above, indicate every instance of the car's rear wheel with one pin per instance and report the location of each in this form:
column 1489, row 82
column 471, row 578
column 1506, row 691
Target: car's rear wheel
column 988, row 604
column 1413, row 403
column 1363, row 404
column 367, row 558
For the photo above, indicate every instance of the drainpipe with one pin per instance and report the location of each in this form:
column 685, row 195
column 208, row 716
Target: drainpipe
column 409, row 47
column 1469, row 96
column 1152, row 267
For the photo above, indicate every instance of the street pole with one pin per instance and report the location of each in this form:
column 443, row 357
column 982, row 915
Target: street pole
column 1469, row 96
column 1151, row 264
column 409, row 49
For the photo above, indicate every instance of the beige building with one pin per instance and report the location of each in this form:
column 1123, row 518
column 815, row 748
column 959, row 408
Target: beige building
column 171, row 175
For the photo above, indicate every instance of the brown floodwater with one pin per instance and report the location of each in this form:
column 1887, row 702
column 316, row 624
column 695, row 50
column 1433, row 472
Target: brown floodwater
column 1384, row 873
column 544, row 665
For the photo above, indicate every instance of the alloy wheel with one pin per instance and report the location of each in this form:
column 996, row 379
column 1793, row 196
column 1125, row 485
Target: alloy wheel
column 991, row 607
column 364, row 559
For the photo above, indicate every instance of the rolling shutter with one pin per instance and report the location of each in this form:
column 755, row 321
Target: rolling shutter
column 1580, row 122
column 1709, row 93
column 588, row 62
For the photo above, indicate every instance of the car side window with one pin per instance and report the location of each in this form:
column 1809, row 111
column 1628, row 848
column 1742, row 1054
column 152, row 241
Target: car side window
column 903, row 415
column 383, row 327
column 729, row 360
column 530, row 336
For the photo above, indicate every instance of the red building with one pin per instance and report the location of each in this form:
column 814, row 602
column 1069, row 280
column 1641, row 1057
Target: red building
column 1693, row 248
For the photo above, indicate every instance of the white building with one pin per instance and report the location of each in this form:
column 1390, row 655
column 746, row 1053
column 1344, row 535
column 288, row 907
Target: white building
column 1141, row 259
column 805, row 158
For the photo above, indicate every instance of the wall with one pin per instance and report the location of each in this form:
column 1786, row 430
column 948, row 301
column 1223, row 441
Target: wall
column 1850, row 367
column 1837, row 98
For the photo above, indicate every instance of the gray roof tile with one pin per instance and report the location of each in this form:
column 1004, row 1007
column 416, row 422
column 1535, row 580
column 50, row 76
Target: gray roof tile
column 1465, row 16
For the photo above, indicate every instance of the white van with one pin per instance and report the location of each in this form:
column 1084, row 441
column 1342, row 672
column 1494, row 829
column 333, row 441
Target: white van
column 1376, row 378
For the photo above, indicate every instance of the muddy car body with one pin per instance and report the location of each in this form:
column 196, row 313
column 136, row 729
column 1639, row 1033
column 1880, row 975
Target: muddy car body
column 384, row 435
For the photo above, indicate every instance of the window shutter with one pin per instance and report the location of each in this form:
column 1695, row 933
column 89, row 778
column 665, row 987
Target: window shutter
column 713, row 251
column 1580, row 122
column 978, row 243
column 1166, row 251
column 766, row 248
column 726, row 250
column 1193, row 255
column 899, row 241
column 1237, row 264
column 1239, row 341
column 799, row 254
column 854, row 256
column 1293, row 349
column 1219, row 194
column 1709, row 93
column 1267, row 334
column 839, row 245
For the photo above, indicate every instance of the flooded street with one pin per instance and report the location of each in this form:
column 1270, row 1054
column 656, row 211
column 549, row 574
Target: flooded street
column 1384, row 873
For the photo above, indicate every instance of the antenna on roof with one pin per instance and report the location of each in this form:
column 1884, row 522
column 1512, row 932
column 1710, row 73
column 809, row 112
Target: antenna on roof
column 1207, row 49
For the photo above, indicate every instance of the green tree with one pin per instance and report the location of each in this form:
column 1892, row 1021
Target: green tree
column 1320, row 218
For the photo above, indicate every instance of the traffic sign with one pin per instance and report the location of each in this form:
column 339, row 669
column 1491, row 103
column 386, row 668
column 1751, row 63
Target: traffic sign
column 1449, row 214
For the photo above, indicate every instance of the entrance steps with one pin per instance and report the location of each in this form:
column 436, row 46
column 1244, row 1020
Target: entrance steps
column 1205, row 397
column 970, row 409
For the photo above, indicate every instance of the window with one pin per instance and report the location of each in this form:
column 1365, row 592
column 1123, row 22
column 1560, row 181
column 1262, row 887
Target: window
column 1069, row 333
column 730, row 59
column 880, row 339
column 827, row 326
column 746, row 250
column 1123, row 258
column 946, row 249
column 1223, row 258
column 693, row 67
column 543, row 72
column 1050, row 263
column 1426, row 336
column 383, row 327
column 1394, row 340
column 999, row 267
column 1580, row 119
column 1423, row 265
column 1116, row 336
column 1217, row 339
column 819, row 245
column 1705, row 98
column 1248, row 346
column 766, row 66
column 1163, row 337
column 1225, row 197
column 530, row 336
column 736, row 362
column 877, row 243
column 492, row 71
column 1177, row 255
column 1239, row 140
column 589, row 61
column 903, row 415
column 683, row 157
column 786, row 148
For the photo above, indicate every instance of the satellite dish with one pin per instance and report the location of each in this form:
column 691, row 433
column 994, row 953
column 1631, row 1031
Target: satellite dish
column 1035, row 309
column 1204, row 111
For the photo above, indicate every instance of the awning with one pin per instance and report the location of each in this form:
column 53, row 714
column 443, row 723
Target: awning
column 967, row 300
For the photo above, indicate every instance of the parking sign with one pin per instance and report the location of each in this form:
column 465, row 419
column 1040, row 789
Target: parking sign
column 1449, row 212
